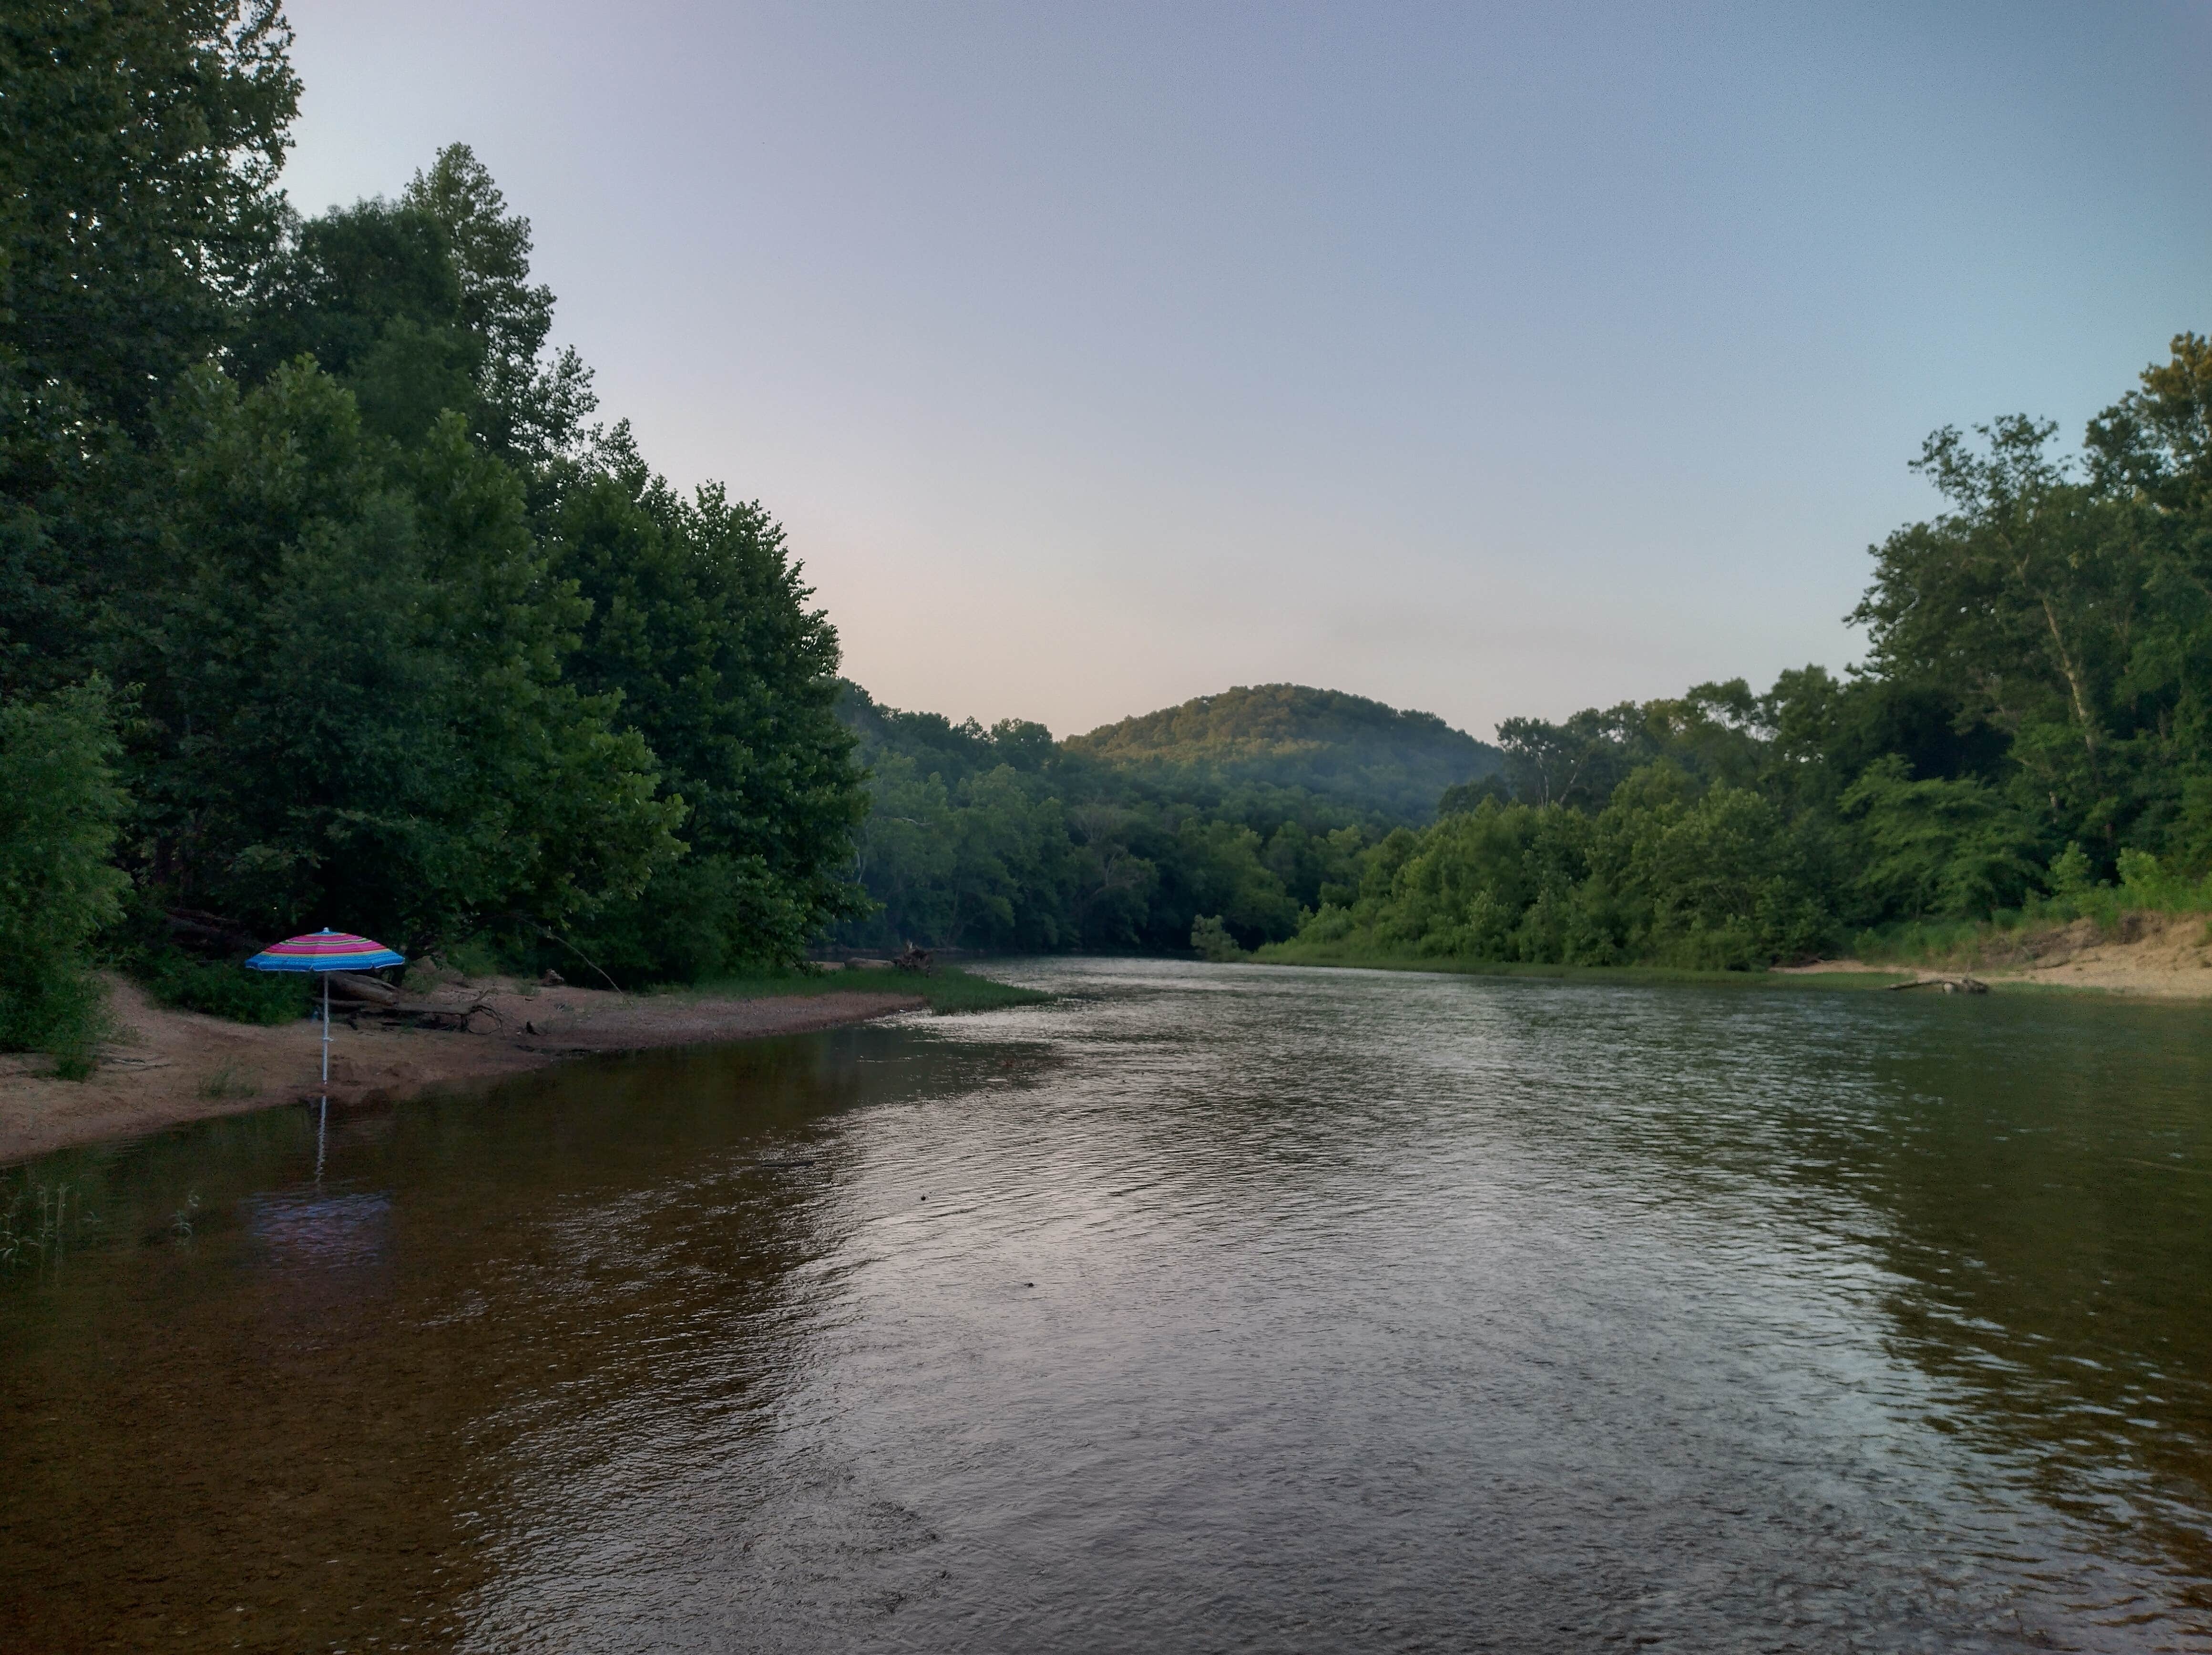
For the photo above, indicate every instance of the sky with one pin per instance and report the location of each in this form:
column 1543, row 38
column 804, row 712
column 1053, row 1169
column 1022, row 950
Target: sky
column 1486, row 360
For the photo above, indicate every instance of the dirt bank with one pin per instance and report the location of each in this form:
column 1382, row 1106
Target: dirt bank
column 2156, row 956
column 165, row 1067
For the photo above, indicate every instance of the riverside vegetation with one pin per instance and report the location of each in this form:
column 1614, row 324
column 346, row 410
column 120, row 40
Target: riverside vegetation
column 2029, row 741
column 324, row 598
column 321, row 600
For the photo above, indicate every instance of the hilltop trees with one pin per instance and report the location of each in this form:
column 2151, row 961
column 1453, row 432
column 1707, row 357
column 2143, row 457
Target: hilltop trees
column 1323, row 744
column 1244, row 809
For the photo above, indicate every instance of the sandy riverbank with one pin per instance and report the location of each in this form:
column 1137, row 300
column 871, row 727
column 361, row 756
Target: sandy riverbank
column 166, row 1067
column 2152, row 956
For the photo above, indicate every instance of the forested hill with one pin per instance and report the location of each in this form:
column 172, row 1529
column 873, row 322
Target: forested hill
column 1252, row 805
column 1328, row 743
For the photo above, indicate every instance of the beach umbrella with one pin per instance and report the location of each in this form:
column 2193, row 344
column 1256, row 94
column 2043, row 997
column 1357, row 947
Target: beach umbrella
column 325, row 951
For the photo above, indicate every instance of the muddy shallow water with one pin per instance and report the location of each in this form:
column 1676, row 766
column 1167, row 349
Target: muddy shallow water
column 1211, row 1308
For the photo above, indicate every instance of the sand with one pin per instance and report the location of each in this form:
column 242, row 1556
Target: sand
column 2153, row 956
column 165, row 1067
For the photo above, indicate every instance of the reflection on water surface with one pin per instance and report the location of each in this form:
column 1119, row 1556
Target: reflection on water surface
column 1211, row 1308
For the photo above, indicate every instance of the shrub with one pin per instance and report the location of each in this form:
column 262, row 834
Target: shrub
column 1212, row 941
column 60, row 806
column 225, row 990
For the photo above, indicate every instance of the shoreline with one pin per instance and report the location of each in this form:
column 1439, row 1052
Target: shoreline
column 164, row 1068
column 2165, row 959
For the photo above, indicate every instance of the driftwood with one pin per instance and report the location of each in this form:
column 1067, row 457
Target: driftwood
column 373, row 991
column 427, row 1014
column 916, row 959
column 1949, row 984
column 211, row 933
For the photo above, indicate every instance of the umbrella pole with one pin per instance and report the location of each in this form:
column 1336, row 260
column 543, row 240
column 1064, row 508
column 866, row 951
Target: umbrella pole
column 323, row 1119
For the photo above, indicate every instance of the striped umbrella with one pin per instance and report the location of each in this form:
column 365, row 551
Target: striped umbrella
column 325, row 950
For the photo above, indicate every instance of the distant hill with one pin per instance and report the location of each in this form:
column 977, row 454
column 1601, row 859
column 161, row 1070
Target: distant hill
column 1288, row 735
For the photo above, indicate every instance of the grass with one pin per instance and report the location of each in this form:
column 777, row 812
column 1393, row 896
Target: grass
column 228, row 1081
column 750, row 985
column 951, row 989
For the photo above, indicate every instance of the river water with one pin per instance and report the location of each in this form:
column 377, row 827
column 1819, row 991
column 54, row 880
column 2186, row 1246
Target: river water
column 1207, row 1308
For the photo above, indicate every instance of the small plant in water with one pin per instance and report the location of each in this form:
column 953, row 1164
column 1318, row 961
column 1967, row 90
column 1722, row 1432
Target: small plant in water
column 229, row 1081
column 34, row 1220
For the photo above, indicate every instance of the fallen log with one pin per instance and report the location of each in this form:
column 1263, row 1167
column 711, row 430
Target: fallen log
column 427, row 1014
column 351, row 985
column 1949, row 984
column 213, row 933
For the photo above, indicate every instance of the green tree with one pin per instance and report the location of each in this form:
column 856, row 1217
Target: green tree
column 2152, row 450
column 2020, row 603
column 422, row 304
column 1713, row 878
column 139, row 146
column 354, row 693
column 700, row 626
column 1950, row 848
column 534, row 402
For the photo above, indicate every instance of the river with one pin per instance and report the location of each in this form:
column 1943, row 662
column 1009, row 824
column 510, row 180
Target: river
column 1206, row 1308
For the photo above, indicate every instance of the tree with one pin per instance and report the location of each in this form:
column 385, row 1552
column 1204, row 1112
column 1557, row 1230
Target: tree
column 2020, row 603
column 533, row 407
column 354, row 693
column 139, row 146
column 1952, row 849
column 372, row 293
column 2152, row 450
column 421, row 304
column 1713, row 878
column 700, row 630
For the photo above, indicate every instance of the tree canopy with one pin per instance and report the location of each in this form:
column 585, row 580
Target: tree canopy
column 2030, row 718
column 319, row 598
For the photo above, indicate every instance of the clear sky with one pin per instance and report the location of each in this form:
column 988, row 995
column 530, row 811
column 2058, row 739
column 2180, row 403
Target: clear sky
column 1481, row 359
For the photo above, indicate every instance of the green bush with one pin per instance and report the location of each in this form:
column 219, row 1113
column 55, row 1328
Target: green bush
column 225, row 990
column 59, row 805
column 1213, row 940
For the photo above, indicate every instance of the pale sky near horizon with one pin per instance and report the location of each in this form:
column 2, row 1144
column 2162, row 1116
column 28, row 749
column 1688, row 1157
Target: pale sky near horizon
column 1488, row 359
